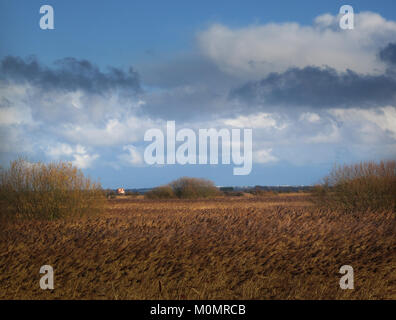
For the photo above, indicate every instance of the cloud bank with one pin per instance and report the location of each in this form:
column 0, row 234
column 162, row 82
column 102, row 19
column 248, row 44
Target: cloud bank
column 320, row 88
column 69, row 74
column 312, row 94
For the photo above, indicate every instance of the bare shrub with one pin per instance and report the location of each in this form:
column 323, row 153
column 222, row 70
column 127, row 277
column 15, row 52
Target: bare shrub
column 188, row 188
column 361, row 186
column 162, row 192
column 48, row 191
column 185, row 188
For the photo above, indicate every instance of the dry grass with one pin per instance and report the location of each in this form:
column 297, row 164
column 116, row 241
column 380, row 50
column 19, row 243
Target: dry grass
column 225, row 248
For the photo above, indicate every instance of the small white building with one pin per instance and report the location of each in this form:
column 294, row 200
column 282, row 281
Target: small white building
column 121, row 191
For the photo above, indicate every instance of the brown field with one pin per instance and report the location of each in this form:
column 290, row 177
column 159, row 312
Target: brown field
column 274, row 247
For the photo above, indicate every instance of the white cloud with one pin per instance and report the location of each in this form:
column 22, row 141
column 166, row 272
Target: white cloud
column 78, row 155
column 14, row 109
column 370, row 122
column 264, row 156
column 9, row 116
column 256, row 50
column 258, row 121
column 133, row 157
column 324, row 136
column 84, row 161
column 59, row 150
column 310, row 117
column 114, row 131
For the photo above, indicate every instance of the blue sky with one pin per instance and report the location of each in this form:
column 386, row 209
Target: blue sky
column 314, row 94
column 126, row 32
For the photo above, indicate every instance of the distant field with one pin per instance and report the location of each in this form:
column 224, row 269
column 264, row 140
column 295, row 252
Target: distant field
column 273, row 247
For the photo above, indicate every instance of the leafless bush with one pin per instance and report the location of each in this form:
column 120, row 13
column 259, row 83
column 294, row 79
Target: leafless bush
column 48, row 191
column 194, row 188
column 162, row 192
column 185, row 188
column 362, row 186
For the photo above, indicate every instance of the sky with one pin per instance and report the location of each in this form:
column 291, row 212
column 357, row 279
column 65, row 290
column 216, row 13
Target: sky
column 314, row 95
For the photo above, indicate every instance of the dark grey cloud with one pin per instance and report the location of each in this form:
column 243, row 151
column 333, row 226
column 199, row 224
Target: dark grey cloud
column 68, row 74
column 388, row 54
column 319, row 88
